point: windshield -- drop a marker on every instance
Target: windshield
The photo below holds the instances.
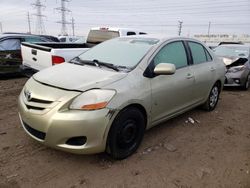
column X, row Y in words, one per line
column 233, row 51
column 120, row 51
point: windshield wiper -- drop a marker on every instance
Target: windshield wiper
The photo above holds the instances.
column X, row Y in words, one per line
column 79, row 61
column 94, row 62
column 109, row 65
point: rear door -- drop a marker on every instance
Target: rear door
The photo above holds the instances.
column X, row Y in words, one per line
column 172, row 93
column 10, row 55
column 204, row 70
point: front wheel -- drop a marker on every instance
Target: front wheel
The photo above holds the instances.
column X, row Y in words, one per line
column 213, row 98
column 126, row 133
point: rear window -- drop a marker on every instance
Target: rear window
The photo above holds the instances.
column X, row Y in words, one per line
column 10, row 44
column 130, row 33
column 62, row 39
column 34, row 39
column 98, row 36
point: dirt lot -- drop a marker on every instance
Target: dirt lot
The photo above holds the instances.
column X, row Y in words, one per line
column 212, row 152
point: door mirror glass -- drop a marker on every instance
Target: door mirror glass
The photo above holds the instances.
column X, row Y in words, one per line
column 164, row 69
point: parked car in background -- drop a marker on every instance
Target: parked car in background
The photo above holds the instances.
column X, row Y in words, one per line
column 236, row 58
column 10, row 51
column 43, row 55
column 229, row 42
column 69, row 39
column 50, row 38
column 81, row 40
column 100, row 34
column 104, row 99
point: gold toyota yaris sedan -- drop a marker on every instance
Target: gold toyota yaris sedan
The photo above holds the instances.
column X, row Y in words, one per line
column 104, row 99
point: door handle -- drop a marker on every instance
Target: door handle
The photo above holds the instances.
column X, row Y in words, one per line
column 212, row 69
column 189, row 76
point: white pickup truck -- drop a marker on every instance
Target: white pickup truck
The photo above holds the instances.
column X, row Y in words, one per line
column 42, row 55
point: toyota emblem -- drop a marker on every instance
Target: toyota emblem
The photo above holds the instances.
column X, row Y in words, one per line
column 27, row 95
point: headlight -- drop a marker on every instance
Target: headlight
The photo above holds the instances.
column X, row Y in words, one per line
column 236, row 69
column 227, row 61
column 94, row 99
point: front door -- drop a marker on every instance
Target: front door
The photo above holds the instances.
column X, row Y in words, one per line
column 172, row 93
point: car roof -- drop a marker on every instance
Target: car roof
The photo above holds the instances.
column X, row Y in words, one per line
column 116, row 29
column 162, row 37
column 235, row 45
column 12, row 35
column 15, row 35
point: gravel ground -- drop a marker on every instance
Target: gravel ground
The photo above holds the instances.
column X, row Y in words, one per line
column 213, row 151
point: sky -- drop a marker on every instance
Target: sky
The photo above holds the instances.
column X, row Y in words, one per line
column 152, row 16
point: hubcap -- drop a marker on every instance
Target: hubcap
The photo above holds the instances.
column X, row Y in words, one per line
column 214, row 96
column 127, row 135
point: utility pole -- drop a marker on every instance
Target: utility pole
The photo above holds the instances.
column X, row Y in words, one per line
column 208, row 31
column 63, row 10
column 180, row 27
column 73, row 26
column 40, row 29
column 28, row 16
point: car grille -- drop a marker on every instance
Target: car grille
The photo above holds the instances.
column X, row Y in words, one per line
column 34, row 132
column 40, row 101
column 38, row 105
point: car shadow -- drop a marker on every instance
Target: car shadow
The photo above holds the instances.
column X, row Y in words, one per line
column 11, row 76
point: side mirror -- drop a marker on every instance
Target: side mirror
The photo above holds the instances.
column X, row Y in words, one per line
column 164, row 69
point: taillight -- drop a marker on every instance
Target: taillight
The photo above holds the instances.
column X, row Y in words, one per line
column 57, row 60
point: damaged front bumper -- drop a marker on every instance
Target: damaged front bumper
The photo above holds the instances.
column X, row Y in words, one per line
column 235, row 79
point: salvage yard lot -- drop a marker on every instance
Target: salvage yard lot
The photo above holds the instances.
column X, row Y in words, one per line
column 214, row 151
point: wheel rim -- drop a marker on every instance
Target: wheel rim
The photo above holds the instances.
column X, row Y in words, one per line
column 127, row 135
column 214, row 95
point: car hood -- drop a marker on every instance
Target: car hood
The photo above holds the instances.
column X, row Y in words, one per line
column 230, row 60
column 76, row 77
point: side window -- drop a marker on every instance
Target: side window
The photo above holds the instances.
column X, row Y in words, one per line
column 10, row 44
column 62, row 39
column 172, row 53
column 198, row 52
column 131, row 33
column 142, row 33
column 33, row 39
column 209, row 58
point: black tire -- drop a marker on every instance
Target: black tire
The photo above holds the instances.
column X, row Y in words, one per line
column 126, row 133
column 213, row 98
column 247, row 83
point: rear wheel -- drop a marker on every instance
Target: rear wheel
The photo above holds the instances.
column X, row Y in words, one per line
column 213, row 98
column 126, row 133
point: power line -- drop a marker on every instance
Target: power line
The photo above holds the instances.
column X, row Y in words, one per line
column 40, row 29
column 116, row 4
column 153, row 6
column 63, row 10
